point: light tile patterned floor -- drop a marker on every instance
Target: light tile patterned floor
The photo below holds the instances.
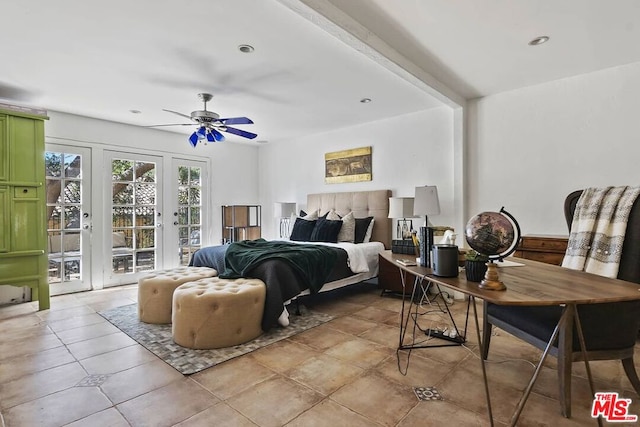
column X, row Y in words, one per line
column 68, row 366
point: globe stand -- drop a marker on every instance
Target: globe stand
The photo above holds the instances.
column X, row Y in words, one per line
column 490, row 281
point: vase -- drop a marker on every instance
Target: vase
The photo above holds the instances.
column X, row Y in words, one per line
column 475, row 270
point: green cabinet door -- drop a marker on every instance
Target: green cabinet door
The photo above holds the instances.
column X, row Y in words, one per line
column 27, row 228
column 26, row 148
column 4, row 219
column 4, row 149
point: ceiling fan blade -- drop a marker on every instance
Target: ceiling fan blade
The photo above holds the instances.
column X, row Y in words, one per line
column 172, row 124
column 239, row 132
column 237, row 121
column 175, row 112
column 217, row 135
column 193, row 139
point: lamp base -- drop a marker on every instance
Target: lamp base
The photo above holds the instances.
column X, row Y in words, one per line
column 285, row 227
column 490, row 281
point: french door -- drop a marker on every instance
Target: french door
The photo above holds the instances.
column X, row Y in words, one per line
column 68, row 183
column 189, row 204
column 134, row 226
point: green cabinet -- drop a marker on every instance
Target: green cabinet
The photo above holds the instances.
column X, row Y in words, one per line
column 23, row 229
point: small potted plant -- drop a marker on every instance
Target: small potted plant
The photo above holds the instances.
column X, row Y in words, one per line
column 475, row 265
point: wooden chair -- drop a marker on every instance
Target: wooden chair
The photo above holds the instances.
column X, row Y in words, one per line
column 610, row 330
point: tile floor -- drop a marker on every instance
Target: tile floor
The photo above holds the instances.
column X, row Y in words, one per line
column 68, row 366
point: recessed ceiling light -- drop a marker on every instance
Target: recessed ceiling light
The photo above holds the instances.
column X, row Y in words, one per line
column 246, row 48
column 365, row 100
column 539, row 40
column 135, row 111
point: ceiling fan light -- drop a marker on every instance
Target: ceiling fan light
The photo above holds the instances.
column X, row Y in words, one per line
column 201, row 132
column 193, row 139
column 210, row 136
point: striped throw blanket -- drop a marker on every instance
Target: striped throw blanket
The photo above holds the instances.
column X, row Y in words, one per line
column 598, row 229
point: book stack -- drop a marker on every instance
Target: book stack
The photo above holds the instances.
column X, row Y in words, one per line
column 404, row 246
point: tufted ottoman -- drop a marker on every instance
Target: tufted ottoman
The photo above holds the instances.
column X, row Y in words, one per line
column 216, row 313
column 155, row 291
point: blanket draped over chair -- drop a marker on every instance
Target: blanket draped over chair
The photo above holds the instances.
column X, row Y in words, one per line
column 598, row 230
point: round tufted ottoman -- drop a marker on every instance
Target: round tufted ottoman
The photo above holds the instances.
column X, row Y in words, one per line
column 216, row 313
column 155, row 291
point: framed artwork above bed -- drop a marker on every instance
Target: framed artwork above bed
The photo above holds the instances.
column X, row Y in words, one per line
column 348, row 166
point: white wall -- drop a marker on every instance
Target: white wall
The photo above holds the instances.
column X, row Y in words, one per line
column 407, row 151
column 528, row 148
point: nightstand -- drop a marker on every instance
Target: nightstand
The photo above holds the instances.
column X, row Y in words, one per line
column 389, row 278
column 543, row 247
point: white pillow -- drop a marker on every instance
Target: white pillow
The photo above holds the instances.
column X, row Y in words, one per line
column 367, row 236
column 348, row 229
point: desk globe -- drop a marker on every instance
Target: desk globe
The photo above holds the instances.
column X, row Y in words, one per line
column 495, row 234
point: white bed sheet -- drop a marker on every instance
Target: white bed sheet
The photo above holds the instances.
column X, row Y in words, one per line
column 362, row 257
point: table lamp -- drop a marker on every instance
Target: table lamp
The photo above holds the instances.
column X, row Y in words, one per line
column 283, row 211
column 401, row 208
column 426, row 203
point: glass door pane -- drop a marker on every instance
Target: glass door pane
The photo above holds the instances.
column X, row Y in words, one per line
column 68, row 218
column 135, row 227
column 187, row 221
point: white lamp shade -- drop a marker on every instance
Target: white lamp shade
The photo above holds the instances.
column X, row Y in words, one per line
column 284, row 209
column 401, row 207
column 426, row 201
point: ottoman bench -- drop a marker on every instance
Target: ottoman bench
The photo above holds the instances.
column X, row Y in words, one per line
column 217, row 313
column 155, row 291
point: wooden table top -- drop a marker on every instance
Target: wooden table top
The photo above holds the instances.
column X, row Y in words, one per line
column 534, row 283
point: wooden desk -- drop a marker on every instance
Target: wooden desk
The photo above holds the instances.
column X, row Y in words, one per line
column 538, row 283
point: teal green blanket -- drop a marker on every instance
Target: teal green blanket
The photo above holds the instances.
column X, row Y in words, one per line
column 313, row 263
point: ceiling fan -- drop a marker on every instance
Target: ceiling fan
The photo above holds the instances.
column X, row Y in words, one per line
column 210, row 123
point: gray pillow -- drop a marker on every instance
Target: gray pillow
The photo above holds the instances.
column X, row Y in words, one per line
column 348, row 230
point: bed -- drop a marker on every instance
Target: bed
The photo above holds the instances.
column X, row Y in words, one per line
column 284, row 280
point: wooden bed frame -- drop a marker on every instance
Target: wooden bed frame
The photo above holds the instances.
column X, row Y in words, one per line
column 363, row 204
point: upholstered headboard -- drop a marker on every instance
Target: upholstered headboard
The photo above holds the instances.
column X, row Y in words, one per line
column 362, row 204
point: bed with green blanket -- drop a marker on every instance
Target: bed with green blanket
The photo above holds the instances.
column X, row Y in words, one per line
column 287, row 269
column 292, row 269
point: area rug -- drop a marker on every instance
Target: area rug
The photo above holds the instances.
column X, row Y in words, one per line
column 157, row 338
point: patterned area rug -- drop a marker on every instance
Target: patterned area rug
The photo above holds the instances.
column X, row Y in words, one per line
column 157, row 338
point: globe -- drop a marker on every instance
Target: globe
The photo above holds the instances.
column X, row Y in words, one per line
column 495, row 234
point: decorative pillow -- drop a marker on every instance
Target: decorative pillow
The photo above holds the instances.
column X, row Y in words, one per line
column 302, row 230
column 311, row 217
column 326, row 230
column 367, row 236
column 348, row 230
column 363, row 226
